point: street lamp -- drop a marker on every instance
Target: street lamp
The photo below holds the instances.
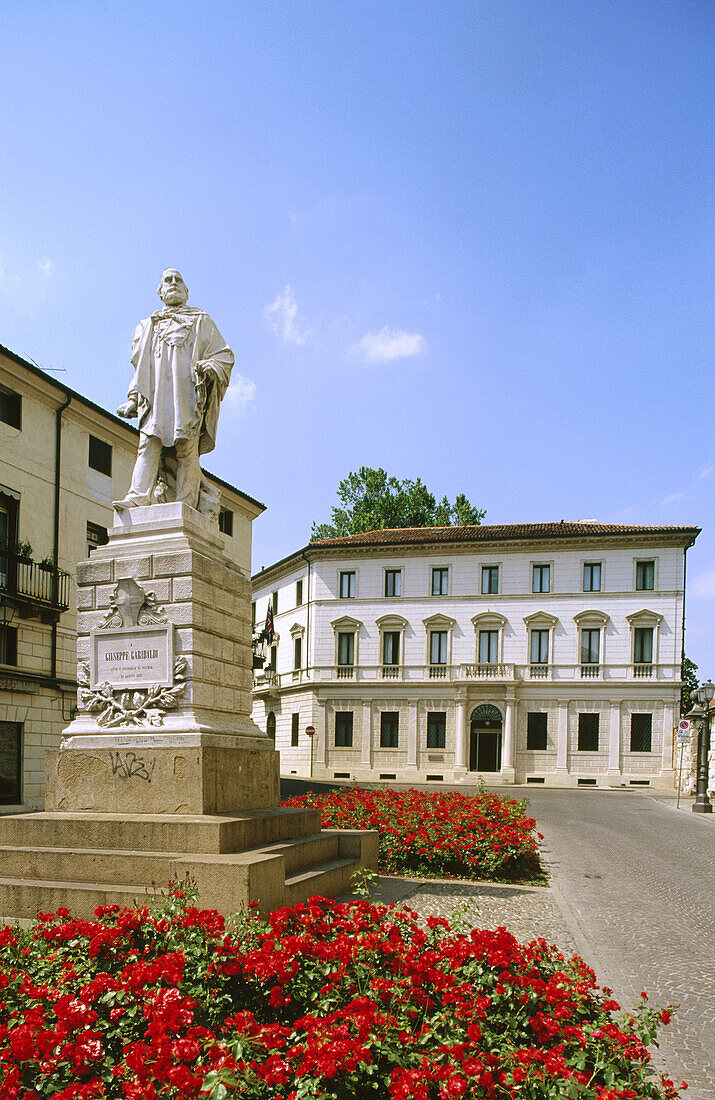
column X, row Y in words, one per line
column 700, row 713
column 7, row 611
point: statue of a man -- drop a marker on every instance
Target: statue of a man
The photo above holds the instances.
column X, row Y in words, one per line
column 182, row 368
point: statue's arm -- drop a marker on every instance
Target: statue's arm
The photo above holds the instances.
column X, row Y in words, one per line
column 215, row 357
column 130, row 408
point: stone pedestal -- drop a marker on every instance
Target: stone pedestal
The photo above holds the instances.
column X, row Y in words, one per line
column 163, row 772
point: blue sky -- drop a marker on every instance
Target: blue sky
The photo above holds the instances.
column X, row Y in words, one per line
column 470, row 242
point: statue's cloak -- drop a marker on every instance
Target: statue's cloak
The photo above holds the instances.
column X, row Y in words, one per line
column 174, row 402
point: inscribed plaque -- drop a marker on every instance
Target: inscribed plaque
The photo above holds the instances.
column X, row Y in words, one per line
column 133, row 657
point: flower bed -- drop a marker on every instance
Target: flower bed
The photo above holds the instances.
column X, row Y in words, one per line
column 482, row 836
column 321, row 1000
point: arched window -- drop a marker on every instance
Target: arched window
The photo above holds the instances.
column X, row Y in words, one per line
column 271, row 726
column 486, row 713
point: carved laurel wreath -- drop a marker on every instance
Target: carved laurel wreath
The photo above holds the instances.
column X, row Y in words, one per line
column 143, row 707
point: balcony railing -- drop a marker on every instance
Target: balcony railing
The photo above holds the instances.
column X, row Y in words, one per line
column 37, row 588
column 486, row 671
column 503, row 672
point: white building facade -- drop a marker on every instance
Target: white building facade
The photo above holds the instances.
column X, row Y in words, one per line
column 528, row 653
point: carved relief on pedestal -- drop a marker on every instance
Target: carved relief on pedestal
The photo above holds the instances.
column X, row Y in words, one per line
column 132, row 677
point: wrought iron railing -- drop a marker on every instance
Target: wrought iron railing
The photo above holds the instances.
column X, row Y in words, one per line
column 34, row 582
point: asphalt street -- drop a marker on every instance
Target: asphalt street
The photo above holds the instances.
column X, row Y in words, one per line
column 634, row 880
column 637, row 877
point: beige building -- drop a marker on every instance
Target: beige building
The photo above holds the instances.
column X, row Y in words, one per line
column 529, row 653
column 63, row 460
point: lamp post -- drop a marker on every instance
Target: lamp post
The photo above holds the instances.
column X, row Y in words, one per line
column 700, row 712
column 7, row 611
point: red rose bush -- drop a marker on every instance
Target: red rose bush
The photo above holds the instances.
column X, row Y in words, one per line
column 321, row 1000
column 438, row 834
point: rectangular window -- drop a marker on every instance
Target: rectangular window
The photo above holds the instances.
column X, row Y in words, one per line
column 590, row 646
column 641, row 732
column 536, row 722
column 645, row 576
column 488, row 647
column 588, row 732
column 96, row 536
column 436, row 730
column 440, row 581
column 643, row 645
column 592, row 576
column 225, row 521
column 11, row 408
column 539, row 651
column 273, row 663
column 274, row 602
column 347, row 585
column 391, row 647
column 100, row 456
column 389, row 729
column 490, row 580
column 298, row 652
column 298, row 593
column 393, row 582
column 344, row 729
column 438, row 647
column 294, row 729
column 541, row 578
column 346, row 648
column 10, row 763
column 8, row 645
column 253, row 613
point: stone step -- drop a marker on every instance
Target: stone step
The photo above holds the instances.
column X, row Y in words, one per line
column 24, row 898
column 303, row 852
column 328, row 880
column 215, row 833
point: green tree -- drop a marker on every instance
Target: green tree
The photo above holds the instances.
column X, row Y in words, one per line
column 372, row 500
column 690, row 683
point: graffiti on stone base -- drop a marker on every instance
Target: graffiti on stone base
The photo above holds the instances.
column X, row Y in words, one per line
column 130, row 766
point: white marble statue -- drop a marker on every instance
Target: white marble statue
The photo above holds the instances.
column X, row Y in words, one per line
column 182, row 368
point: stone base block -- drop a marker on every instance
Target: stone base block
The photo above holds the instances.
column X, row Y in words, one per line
column 191, row 774
column 80, row 861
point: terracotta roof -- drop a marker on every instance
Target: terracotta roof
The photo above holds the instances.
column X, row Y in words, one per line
column 485, row 532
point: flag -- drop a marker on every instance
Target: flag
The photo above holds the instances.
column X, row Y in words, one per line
column 268, row 631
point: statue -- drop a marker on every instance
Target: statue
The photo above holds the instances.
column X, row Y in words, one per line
column 182, row 368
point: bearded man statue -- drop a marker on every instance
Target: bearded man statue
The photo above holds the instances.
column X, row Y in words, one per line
column 182, row 368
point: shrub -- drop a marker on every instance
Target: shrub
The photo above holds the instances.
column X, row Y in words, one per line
column 322, row 1000
column 437, row 833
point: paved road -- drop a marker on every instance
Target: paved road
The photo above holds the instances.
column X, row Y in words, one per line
column 635, row 880
column 638, row 877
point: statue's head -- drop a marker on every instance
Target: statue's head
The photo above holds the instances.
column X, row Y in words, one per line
column 172, row 289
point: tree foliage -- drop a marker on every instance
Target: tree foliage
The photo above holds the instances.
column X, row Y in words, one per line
column 690, row 683
column 372, row 500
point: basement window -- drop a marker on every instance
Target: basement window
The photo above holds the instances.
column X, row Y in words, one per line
column 587, row 782
column 435, row 778
column 535, row 779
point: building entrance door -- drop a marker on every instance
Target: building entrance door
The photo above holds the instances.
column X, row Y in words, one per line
column 485, row 739
column 10, row 762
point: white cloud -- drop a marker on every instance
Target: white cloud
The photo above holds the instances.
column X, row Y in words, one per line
column 388, row 344
column 241, row 392
column 673, row 498
column 707, row 471
column 45, row 266
column 283, row 317
column 702, row 585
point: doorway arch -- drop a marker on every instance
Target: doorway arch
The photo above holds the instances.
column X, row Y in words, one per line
column 485, row 739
